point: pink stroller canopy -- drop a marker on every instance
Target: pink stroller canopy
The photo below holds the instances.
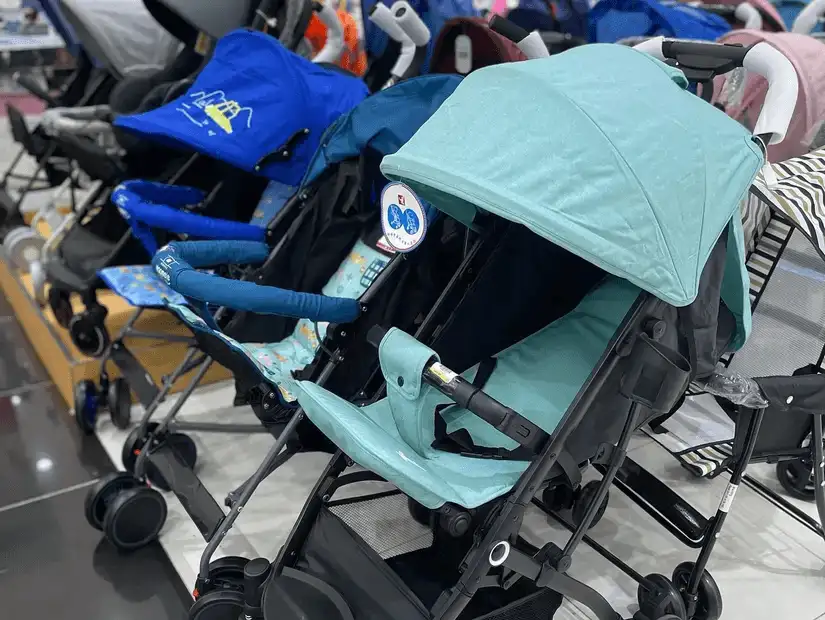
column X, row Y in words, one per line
column 808, row 58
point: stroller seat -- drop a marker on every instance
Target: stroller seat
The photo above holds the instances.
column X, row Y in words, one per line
column 276, row 361
column 539, row 377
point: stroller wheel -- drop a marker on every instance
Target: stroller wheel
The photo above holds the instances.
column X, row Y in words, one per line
column 187, row 451
column 101, row 494
column 658, row 597
column 134, row 444
column 583, row 500
column 61, row 306
column 88, row 333
column 796, row 477
column 218, row 605
column 709, row 605
column 22, row 247
column 421, row 514
column 38, row 276
column 224, row 574
column 557, row 497
column 134, row 518
column 85, row 406
column 119, row 400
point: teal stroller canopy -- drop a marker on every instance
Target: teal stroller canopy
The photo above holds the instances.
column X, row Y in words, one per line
column 609, row 156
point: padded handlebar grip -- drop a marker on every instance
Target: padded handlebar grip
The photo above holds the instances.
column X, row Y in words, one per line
column 809, row 17
column 411, row 23
column 508, row 29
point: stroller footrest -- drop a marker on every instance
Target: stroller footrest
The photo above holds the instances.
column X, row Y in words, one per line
column 661, row 502
column 139, row 380
column 187, row 487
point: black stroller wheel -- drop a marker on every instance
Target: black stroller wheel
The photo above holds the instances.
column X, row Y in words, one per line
column 85, row 406
column 187, row 451
column 225, row 574
column 582, row 502
column 218, row 605
column 119, row 400
column 101, row 494
column 134, row 444
column 134, row 518
column 709, row 605
column 796, row 477
column 658, row 597
column 420, row 513
column 557, row 497
column 89, row 334
column 61, row 306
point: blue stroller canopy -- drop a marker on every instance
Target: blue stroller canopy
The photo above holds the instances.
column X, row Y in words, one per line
column 255, row 105
column 789, row 10
column 435, row 14
column 613, row 20
column 644, row 201
column 383, row 122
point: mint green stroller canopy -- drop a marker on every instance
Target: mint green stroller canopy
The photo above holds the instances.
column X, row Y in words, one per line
column 600, row 150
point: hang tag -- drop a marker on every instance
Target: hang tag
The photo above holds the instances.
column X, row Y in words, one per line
column 402, row 217
column 203, row 43
column 463, row 54
column 769, row 176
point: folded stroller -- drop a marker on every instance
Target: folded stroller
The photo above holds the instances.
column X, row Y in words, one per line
column 607, row 287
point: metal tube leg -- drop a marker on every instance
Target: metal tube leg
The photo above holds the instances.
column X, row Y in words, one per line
column 166, row 387
column 141, row 459
column 819, row 470
column 716, row 523
column 232, row 497
column 121, row 334
column 249, row 488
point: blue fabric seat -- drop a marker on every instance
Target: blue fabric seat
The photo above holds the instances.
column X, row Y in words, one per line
column 538, row 377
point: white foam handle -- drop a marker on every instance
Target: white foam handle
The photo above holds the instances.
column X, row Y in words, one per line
column 334, row 47
column 809, row 17
column 783, row 85
column 652, row 47
column 411, row 23
column 382, row 16
column 533, row 46
column 749, row 16
column 783, row 89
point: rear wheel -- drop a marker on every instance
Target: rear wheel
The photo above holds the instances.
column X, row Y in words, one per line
column 658, row 597
column 709, row 605
column 218, row 605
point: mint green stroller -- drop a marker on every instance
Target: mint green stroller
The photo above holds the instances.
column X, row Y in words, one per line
column 605, row 272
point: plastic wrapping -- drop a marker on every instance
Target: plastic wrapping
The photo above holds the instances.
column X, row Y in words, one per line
column 121, row 34
column 734, row 89
column 736, row 388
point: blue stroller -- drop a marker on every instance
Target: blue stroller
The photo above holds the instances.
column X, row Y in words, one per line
column 608, row 286
column 263, row 126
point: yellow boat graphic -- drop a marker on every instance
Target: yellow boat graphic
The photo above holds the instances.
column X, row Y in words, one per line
column 223, row 113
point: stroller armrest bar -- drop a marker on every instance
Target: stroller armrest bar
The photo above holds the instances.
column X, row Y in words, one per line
column 175, row 264
column 474, row 399
column 182, row 222
column 799, row 394
column 531, row 43
column 156, row 193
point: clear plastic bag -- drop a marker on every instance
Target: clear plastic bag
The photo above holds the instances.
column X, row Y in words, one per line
column 734, row 88
column 735, row 388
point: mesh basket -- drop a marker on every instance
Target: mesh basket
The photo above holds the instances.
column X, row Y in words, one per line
column 384, row 522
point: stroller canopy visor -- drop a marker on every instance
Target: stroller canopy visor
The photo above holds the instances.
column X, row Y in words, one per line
column 255, row 105
column 121, row 34
column 645, row 201
column 384, row 121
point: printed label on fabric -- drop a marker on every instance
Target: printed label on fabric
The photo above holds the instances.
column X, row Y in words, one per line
column 402, row 217
column 202, row 43
column 214, row 110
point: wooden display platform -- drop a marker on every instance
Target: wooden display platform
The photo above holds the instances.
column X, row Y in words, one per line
column 66, row 365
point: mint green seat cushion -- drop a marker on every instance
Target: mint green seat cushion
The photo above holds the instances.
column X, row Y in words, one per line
column 538, row 377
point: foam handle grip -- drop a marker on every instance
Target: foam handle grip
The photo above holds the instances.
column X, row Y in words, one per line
column 332, row 49
column 381, row 16
column 809, row 17
column 749, row 16
column 783, row 90
column 410, row 23
column 507, row 29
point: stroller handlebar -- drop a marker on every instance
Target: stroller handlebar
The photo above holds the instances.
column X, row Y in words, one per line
column 809, row 17
column 334, row 46
column 176, row 265
column 382, row 16
column 530, row 43
column 762, row 58
column 414, row 53
column 748, row 15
